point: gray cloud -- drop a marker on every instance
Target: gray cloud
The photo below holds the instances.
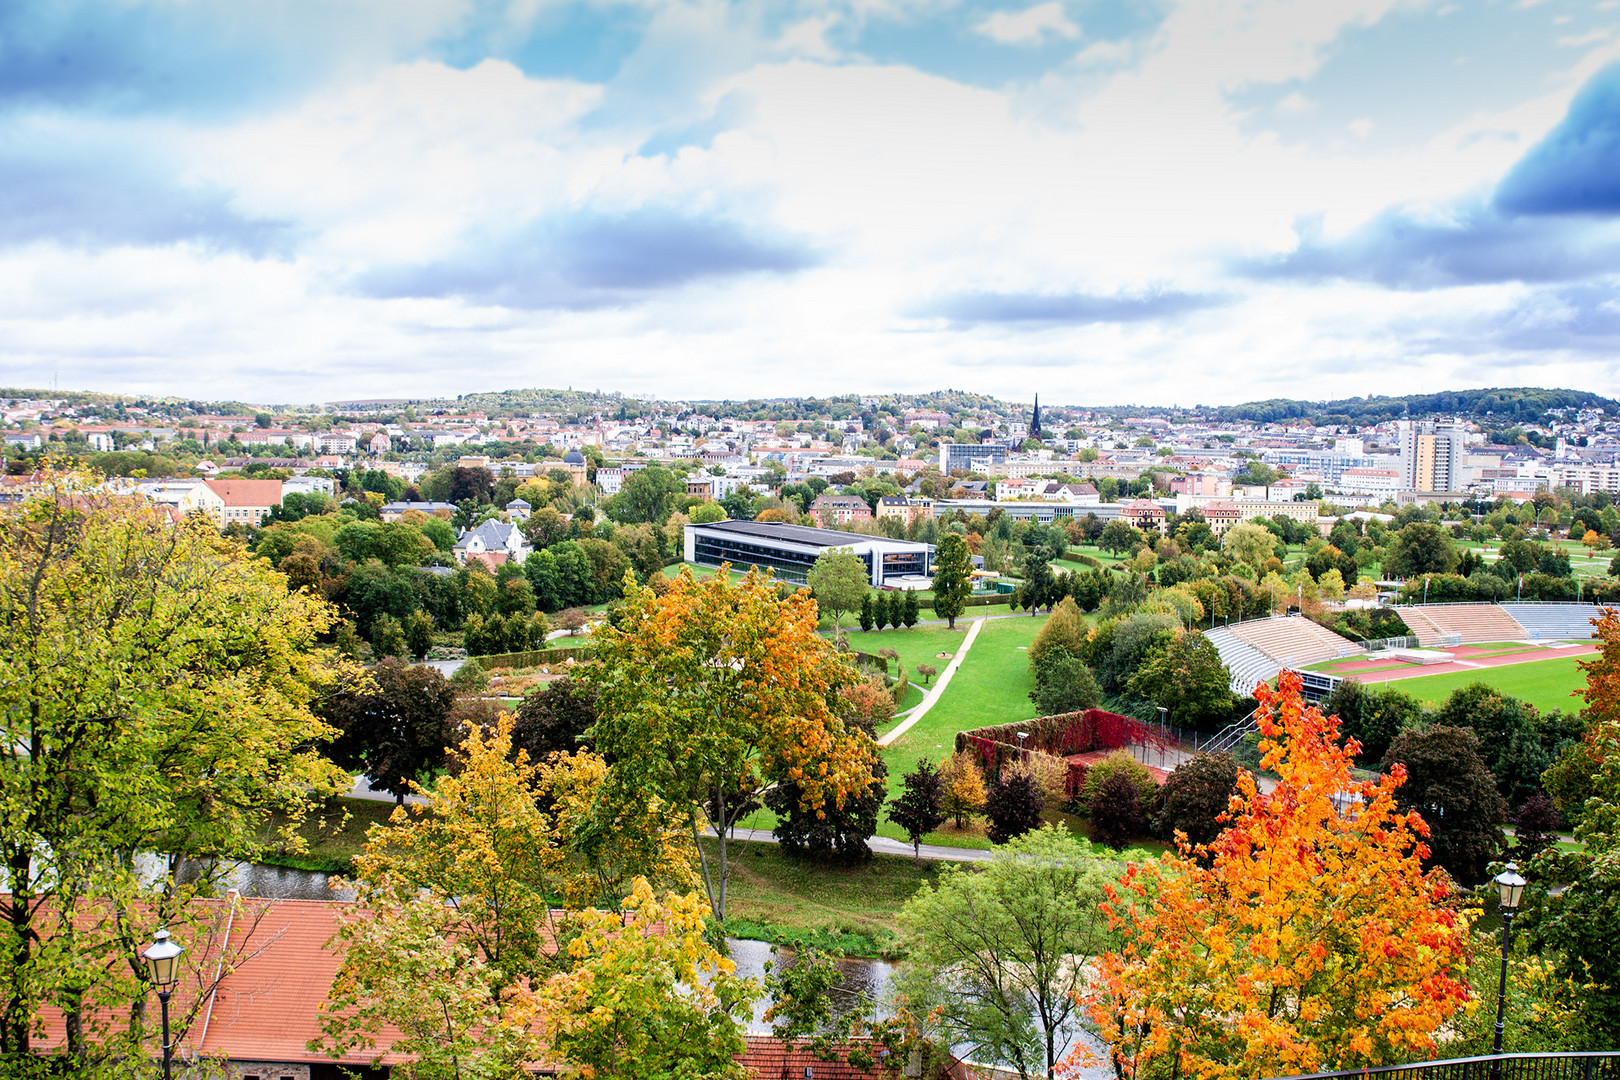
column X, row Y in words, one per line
column 592, row 260
column 972, row 308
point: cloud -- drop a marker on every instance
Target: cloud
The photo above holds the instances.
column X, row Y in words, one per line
column 1030, row 26
column 1469, row 245
column 1064, row 309
column 84, row 203
column 1576, row 168
column 593, row 260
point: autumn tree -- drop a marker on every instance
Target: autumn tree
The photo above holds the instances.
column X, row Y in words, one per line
column 963, row 795
column 835, row 830
column 555, row 719
column 155, row 689
column 953, row 577
column 393, row 724
column 714, row 692
column 447, row 937
column 1001, row 956
column 1310, row 938
column 919, row 808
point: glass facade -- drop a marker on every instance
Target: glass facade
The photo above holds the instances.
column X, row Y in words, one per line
column 790, row 564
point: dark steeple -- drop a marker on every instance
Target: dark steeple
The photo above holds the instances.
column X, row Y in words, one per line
column 1035, row 419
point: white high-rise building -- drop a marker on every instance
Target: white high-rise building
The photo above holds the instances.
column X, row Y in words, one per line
column 1432, row 455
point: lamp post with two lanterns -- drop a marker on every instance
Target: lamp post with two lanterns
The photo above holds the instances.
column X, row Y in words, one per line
column 163, row 965
column 1510, row 890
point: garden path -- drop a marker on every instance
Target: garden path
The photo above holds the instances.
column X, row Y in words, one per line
column 933, row 694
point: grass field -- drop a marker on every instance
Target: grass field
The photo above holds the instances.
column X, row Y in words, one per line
column 991, row 687
column 1546, row 684
column 335, row 836
column 919, row 645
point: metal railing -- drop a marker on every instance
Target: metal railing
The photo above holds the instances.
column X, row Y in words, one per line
column 1602, row 1065
column 1230, row 735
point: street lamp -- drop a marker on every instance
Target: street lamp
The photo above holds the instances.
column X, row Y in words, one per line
column 163, row 965
column 1022, row 735
column 1510, row 890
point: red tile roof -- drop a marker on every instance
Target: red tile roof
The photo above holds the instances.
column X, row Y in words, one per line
column 247, row 492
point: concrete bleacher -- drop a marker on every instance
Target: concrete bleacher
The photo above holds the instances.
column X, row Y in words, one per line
column 1461, row 624
column 1293, row 640
column 1248, row 666
column 1554, row 622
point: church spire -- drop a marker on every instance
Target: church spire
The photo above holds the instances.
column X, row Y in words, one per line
column 1035, row 419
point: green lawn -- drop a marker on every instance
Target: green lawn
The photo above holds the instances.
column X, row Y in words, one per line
column 336, row 834
column 1546, row 684
column 991, row 687
column 919, row 645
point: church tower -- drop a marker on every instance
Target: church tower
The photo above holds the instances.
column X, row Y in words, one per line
column 1035, row 419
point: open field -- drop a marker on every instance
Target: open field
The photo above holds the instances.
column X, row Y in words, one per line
column 1546, row 684
column 919, row 645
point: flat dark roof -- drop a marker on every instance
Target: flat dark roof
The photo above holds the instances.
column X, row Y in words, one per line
column 797, row 534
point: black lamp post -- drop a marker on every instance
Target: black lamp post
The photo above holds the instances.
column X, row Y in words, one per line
column 1510, row 889
column 163, row 964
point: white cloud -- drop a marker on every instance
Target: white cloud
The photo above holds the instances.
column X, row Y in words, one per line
column 1030, row 26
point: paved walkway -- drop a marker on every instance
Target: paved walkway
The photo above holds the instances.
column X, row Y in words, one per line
column 921, row 708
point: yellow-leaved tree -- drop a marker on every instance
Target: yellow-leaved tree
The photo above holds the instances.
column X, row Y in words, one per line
column 712, row 692
column 1306, row 938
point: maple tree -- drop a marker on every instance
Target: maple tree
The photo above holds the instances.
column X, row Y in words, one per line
column 918, row 809
column 714, row 691
column 1310, row 939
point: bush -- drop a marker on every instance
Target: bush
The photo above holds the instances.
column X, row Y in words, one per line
column 1049, row 774
column 554, row 720
column 866, row 704
column 1535, row 827
column 1194, row 795
column 1013, row 806
column 1121, row 763
column 1117, row 815
column 388, row 638
column 470, row 677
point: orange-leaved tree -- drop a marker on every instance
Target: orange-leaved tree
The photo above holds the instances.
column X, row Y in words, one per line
column 712, row 692
column 1311, row 940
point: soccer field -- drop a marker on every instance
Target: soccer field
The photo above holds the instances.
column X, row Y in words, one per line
column 1546, row 684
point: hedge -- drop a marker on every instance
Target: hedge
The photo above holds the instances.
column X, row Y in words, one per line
column 1057, row 736
column 533, row 657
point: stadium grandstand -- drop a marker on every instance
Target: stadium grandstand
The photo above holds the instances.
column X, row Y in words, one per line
column 1249, row 667
column 1439, row 625
column 1555, row 622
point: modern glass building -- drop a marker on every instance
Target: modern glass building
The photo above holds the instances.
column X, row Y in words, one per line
column 790, row 550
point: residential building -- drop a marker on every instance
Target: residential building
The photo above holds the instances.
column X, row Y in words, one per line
column 909, row 510
column 395, row 510
column 1144, row 514
column 1431, row 455
column 610, row 481
column 1381, row 482
column 500, row 539
column 380, row 443
column 337, row 442
column 833, row 509
column 235, row 501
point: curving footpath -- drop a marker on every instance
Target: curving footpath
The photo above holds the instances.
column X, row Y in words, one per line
column 933, row 695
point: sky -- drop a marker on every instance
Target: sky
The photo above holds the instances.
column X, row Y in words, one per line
column 1105, row 202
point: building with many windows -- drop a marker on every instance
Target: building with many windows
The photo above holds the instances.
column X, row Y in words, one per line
column 790, row 550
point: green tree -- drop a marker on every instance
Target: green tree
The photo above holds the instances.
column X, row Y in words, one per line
column 838, row 580
column 555, row 720
column 919, row 808
column 388, row 637
column 155, row 683
column 1448, row 784
column 419, row 633
column 647, row 495
column 910, row 609
column 1189, row 679
column 1423, row 547
column 953, row 572
column 715, row 691
column 868, row 620
column 1119, row 536
column 834, row 830
column 1000, row 956
column 1063, row 684
column 1248, row 543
